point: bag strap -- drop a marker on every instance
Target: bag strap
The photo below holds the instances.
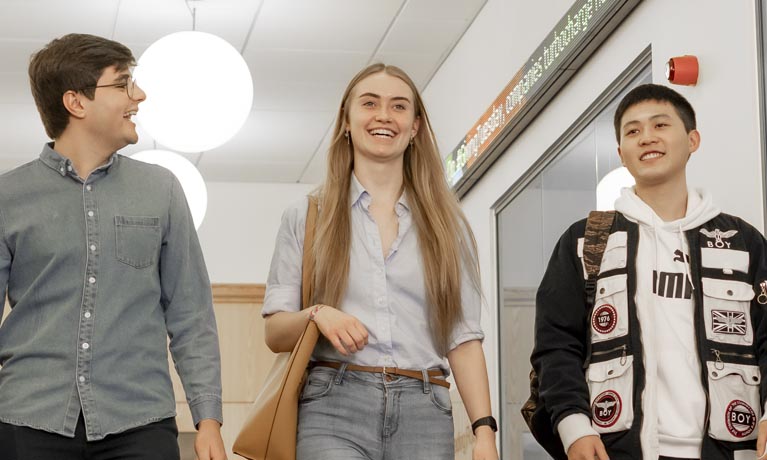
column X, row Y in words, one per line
column 307, row 268
column 598, row 227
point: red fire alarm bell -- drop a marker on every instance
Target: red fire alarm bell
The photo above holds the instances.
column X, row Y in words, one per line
column 682, row 70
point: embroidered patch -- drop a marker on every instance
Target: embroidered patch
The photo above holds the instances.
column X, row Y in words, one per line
column 719, row 237
column 606, row 408
column 740, row 419
column 604, row 319
column 728, row 322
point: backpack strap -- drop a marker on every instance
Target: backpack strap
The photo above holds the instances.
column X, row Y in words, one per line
column 598, row 228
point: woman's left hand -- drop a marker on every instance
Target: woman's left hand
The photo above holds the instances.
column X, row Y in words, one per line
column 484, row 447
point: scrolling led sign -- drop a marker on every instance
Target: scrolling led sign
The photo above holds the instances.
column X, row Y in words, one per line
column 543, row 64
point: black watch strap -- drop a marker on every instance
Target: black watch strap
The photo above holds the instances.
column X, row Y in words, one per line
column 489, row 421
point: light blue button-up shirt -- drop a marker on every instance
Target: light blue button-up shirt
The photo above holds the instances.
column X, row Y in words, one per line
column 387, row 295
column 99, row 273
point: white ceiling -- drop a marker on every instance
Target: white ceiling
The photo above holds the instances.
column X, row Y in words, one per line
column 301, row 54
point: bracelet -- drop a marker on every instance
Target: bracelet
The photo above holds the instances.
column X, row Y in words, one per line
column 489, row 421
column 313, row 313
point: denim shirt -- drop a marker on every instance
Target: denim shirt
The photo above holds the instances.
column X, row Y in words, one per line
column 99, row 273
column 387, row 294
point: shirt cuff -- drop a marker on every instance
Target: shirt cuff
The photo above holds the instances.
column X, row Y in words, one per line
column 466, row 337
column 574, row 427
column 207, row 407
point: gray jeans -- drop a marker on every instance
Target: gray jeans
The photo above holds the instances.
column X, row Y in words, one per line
column 361, row 415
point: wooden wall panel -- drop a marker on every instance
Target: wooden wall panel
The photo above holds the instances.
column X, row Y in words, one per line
column 245, row 358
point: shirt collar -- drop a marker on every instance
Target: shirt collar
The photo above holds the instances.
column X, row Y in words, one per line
column 357, row 191
column 358, row 194
column 63, row 165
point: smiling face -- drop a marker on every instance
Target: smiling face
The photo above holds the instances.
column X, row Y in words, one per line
column 654, row 144
column 381, row 118
column 108, row 114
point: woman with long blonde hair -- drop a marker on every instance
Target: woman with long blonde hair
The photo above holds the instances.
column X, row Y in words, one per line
column 396, row 289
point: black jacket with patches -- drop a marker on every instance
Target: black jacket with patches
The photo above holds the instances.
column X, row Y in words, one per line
column 605, row 379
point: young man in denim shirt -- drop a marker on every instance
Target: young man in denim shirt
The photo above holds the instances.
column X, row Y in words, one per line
column 101, row 264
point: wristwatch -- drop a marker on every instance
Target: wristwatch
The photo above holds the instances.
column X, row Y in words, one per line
column 489, row 421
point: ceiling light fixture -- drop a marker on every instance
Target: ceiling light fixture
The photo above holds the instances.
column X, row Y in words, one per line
column 609, row 188
column 199, row 90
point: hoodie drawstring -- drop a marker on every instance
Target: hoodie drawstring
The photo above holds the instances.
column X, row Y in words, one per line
column 685, row 257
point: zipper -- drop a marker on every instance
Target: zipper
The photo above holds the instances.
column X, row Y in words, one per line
column 623, row 347
column 762, row 298
column 719, row 364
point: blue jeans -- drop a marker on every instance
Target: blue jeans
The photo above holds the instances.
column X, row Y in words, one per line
column 360, row 415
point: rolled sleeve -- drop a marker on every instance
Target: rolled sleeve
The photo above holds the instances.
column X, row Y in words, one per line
column 471, row 303
column 283, row 286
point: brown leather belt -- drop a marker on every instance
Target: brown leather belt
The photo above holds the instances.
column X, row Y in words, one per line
column 436, row 373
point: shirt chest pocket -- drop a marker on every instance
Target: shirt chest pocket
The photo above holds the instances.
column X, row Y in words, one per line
column 727, row 311
column 614, row 256
column 137, row 240
column 609, row 318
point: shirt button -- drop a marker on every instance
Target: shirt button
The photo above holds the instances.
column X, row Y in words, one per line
column 86, row 346
column 381, row 300
column 93, row 247
column 87, row 314
column 88, row 188
column 91, row 280
column 81, row 379
column 90, row 213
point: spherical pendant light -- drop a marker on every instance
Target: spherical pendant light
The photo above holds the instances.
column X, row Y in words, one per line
column 199, row 91
column 609, row 188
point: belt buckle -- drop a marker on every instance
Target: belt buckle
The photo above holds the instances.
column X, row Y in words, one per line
column 386, row 376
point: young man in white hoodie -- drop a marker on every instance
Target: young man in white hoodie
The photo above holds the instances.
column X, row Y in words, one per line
column 668, row 361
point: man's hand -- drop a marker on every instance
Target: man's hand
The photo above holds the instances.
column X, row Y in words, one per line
column 761, row 440
column 344, row 331
column 484, row 447
column 208, row 444
column 587, row 448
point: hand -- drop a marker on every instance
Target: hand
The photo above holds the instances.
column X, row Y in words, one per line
column 344, row 331
column 484, row 447
column 761, row 440
column 587, row 448
column 208, row 444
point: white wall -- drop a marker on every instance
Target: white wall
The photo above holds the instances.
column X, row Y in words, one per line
column 238, row 233
column 721, row 34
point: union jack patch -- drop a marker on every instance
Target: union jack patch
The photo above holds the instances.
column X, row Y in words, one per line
column 728, row 322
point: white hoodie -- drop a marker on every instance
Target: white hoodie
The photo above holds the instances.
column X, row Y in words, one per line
column 674, row 402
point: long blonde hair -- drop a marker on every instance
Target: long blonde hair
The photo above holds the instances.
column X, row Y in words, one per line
column 445, row 239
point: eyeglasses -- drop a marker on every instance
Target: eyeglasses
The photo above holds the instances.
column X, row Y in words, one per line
column 129, row 85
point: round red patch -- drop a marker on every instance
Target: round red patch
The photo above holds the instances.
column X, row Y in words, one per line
column 740, row 419
column 606, row 408
column 604, row 319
